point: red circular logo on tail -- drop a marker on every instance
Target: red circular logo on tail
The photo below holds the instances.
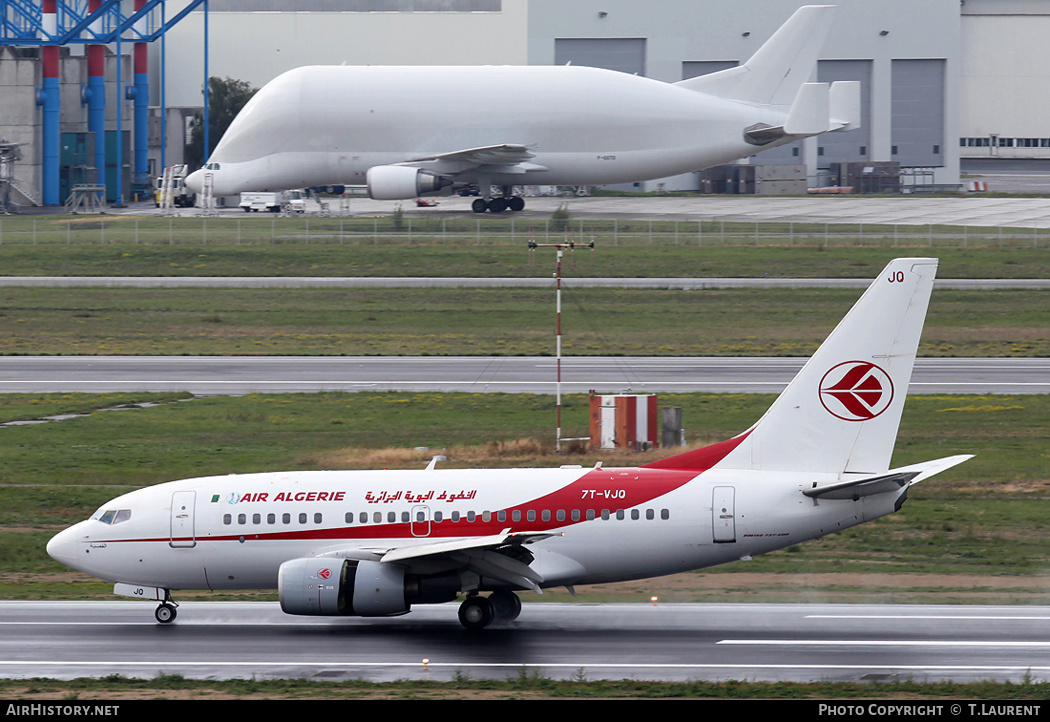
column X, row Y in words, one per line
column 856, row 391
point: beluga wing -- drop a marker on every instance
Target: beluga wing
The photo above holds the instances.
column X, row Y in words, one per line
column 505, row 157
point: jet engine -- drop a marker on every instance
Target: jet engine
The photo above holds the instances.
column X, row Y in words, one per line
column 395, row 182
column 322, row 586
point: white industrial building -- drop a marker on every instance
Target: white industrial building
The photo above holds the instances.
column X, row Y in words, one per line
column 941, row 80
column 1004, row 67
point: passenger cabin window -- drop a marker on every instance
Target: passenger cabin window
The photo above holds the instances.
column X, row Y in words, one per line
column 116, row 516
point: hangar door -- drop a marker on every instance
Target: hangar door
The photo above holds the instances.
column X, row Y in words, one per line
column 917, row 134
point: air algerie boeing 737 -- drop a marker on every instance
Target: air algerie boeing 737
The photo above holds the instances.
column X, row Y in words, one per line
column 405, row 132
column 374, row 543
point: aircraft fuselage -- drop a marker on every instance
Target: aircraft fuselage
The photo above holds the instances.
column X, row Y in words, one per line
column 234, row 532
column 328, row 125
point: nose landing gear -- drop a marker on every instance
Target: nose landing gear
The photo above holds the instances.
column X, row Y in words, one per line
column 166, row 612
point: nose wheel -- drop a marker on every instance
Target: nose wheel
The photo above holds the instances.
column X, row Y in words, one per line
column 166, row 612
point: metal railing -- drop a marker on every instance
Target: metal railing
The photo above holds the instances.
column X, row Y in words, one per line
column 402, row 230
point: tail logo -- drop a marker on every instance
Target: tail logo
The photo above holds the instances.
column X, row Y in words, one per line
column 856, row 391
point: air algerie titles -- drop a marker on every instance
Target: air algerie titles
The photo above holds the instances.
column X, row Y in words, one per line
column 262, row 496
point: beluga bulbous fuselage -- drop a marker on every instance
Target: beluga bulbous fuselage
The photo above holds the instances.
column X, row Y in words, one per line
column 410, row 131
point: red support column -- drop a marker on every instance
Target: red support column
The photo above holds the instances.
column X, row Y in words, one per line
column 50, row 101
column 96, row 97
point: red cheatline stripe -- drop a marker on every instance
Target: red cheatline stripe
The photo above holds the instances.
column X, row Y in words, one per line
column 596, row 490
column 700, row 459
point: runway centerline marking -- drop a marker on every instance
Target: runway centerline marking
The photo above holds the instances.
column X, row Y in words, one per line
column 956, row 617
column 877, row 643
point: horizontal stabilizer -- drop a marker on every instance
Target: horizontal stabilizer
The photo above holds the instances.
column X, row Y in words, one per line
column 844, row 99
column 810, row 114
column 883, row 483
column 818, row 108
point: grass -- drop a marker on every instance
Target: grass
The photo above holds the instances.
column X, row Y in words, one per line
column 479, row 321
column 506, row 321
column 106, row 246
column 977, row 533
column 523, row 686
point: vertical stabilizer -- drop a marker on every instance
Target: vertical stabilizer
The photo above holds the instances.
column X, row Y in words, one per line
column 841, row 412
column 774, row 74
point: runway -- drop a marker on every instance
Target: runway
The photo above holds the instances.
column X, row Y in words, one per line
column 236, row 375
column 673, row 642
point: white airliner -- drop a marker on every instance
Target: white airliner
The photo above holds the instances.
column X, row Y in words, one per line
column 374, row 543
column 405, row 132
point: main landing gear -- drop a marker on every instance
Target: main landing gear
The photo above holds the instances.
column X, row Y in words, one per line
column 498, row 204
column 506, row 202
column 478, row 612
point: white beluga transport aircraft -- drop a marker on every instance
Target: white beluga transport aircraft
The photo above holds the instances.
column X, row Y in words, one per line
column 374, row 543
column 411, row 131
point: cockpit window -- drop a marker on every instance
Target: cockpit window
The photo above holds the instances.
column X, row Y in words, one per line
column 112, row 516
column 212, row 166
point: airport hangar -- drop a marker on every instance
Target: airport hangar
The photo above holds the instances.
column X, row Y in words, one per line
column 941, row 80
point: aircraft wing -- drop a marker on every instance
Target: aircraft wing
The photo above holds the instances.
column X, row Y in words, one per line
column 504, row 158
column 498, row 556
column 881, row 483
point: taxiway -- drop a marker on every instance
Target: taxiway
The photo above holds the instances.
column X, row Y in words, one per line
column 235, row 375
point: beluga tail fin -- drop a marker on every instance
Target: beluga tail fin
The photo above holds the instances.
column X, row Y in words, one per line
column 777, row 70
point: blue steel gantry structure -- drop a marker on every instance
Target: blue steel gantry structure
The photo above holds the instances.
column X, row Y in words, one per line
column 96, row 24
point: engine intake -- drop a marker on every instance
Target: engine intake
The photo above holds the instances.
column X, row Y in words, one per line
column 397, row 182
column 344, row 587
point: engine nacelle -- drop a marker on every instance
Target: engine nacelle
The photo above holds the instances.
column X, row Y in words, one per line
column 397, row 182
column 345, row 587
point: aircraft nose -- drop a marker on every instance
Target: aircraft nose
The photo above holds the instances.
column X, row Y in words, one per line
column 63, row 547
column 195, row 181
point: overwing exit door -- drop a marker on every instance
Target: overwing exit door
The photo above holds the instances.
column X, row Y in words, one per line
column 420, row 521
